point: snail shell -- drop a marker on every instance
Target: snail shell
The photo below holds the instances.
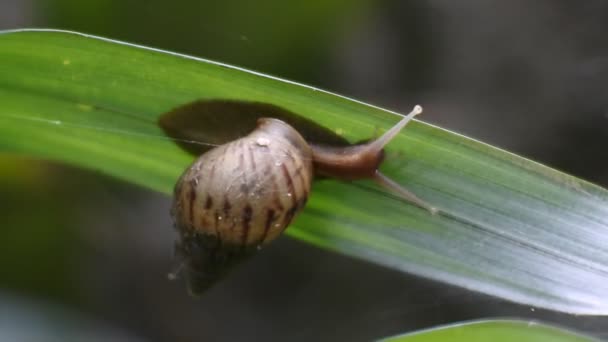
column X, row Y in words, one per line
column 240, row 196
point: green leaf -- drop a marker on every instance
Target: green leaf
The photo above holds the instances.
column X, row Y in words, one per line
column 511, row 227
column 495, row 331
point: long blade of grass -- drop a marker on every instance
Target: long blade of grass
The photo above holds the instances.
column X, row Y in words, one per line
column 493, row 330
column 511, row 227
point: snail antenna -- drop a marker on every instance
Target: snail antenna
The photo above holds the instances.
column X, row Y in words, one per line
column 402, row 192
column 385, row 138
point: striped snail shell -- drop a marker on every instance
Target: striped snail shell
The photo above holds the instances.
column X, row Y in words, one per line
column 232, row 198
column 240, row 196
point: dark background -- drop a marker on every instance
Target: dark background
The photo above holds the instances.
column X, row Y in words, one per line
column 85, row 255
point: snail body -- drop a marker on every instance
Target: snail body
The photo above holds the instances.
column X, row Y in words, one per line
column 240, row 196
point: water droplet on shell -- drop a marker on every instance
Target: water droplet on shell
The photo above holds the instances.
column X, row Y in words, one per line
column 262, row 141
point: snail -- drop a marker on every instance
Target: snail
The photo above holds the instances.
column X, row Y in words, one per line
column 241, row 195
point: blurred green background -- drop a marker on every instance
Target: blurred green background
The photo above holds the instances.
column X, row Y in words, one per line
column 526, row 76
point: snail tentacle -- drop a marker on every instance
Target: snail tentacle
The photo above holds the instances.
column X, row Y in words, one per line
column 385, row 138
column 402, row 192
